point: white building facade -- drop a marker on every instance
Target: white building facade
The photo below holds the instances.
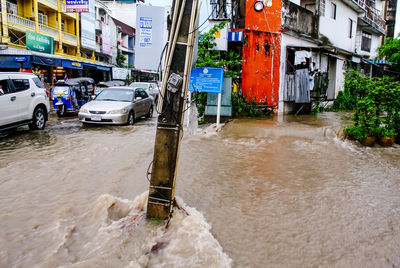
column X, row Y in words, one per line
column 323, row 38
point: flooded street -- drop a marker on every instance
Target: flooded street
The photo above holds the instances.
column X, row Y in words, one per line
column 276, row 192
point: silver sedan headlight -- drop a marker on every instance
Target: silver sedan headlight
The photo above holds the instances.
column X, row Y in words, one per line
column 82, row 110
column 122, row 111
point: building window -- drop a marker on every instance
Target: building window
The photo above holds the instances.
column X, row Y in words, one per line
column 333, row 11
column 351, row 28
column 366, row 41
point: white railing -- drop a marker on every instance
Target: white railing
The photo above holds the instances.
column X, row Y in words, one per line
column 69, row 37
column 21, row 21
column 47, row 29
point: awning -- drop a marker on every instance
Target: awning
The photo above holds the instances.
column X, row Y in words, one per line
column 103, row 68
column 90, row 64
column 72, row 64
column 235, row 36
column 14, row 62
column 377, row 62
column 46, row 61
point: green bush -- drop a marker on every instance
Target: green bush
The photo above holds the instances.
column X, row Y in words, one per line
column 377, row 106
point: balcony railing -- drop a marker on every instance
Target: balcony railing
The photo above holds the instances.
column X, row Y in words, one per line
column 12, row 19
column 360, row 3
column 374, row 16
column 69, row 37
column 47, row 29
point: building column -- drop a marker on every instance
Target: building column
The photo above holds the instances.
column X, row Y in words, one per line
column 78, row 40
column 36, row 14
column 60, row 36
column 4, row 21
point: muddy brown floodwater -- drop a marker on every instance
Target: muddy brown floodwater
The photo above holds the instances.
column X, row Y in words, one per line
column 277, row 192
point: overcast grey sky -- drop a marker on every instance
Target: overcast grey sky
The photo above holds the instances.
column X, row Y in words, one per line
column 204, row 11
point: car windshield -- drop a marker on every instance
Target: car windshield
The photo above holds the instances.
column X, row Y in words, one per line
column 60, row 90
column 116, row 95
column 142, row 85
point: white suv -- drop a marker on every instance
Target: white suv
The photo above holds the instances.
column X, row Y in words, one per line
column 23, row 101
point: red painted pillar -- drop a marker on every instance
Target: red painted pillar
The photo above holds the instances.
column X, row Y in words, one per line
column 261, row 53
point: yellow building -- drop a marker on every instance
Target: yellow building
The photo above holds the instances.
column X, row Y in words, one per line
column 45, row 17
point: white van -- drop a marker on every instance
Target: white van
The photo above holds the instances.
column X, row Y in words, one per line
column 23, row 101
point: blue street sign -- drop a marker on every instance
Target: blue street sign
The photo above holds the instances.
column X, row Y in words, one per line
column 20, row 59
column 206, row 79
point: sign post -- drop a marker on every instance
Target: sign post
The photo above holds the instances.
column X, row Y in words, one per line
column 208, row 79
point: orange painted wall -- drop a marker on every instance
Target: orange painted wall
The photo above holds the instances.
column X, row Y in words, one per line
column 261, row 53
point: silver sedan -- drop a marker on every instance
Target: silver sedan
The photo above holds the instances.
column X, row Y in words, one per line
column 117, row 105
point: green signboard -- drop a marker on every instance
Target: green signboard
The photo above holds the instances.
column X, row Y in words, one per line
column 39, row 42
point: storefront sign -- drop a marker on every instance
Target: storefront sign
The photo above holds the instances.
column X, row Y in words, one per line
column 77, row 6
column 20, row 59
column 88, row 28
column 72, row 64
column 39, row 42
column 206, row 79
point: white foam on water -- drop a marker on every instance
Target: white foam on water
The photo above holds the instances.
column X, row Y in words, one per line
column 115, row 233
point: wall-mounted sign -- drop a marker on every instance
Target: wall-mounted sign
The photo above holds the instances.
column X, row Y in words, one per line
column 39, row 42
column 206, row 79
column 105, row 36
column 146, row 32
column 88, row 29
column 120, row 73
column 20, row 59
column 77, row 6
column 150, row 22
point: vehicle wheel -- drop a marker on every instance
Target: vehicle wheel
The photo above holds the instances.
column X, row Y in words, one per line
column 131, row 118
column 39, row 119
column 61, row 111
column 150, row 114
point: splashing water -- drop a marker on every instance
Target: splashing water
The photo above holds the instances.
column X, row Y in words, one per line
column 117, row 234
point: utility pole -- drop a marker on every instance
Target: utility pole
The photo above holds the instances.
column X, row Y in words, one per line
column 176, row 75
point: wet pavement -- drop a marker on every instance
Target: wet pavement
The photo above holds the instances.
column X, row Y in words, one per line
column 277, row 192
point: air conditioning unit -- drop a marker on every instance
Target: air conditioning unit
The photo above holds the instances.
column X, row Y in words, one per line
column 42, row 19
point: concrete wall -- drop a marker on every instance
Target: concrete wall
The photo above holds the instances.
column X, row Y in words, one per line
column 299, row 19
column 337, row 31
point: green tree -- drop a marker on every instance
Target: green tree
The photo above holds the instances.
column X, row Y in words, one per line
column 390, row 51
column 121, row 58
column 231, row 61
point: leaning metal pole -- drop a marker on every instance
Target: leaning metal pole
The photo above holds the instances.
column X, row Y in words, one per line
column 171, row 108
